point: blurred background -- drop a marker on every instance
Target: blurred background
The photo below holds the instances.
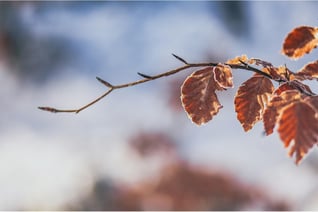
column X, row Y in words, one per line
column 137, row 149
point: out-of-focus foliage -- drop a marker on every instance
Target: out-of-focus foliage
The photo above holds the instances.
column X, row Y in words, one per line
column 179, row 186
column 300, row 41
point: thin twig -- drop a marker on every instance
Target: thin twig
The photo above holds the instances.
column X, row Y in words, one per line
column 144, row 75
column 180, row 58
column 148, row 78
column 107, row 84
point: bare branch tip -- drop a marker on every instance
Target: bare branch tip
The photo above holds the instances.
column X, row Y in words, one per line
column 181, row 59
column 107, row 84
column 49, row 109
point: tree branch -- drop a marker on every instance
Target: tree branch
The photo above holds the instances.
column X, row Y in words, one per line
column 148, row 78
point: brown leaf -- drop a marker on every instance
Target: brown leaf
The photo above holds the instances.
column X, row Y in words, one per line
column 298, row 128
column 275, row 106
column 308, row 72
column 285, row 87
column 305, row 89
column 251, row 99
column 281, row 73
column 294, row 85
column 275, row 73
column 300, row 41
column 198, row 96
column 223, row 76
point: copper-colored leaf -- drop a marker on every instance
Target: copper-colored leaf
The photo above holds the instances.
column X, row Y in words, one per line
column 198, row 96
column 298, row 128
column 308, row 72
column 223, row 75
column 285, row 87
column 300, row 41
column 294, row 85
column 275, row 106
column 302, row 87
column 251, row 99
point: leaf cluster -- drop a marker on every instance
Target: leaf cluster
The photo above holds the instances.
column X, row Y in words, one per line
column 291, row 106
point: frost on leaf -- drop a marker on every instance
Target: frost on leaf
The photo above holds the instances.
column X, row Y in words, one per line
column 298, row 128
column 308, row 72
column 223, row 75
column 300, row 41
column 251, row 99
column 275, row 106
column 198, row 96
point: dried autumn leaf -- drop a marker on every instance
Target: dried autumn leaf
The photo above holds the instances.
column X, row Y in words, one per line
column 308, row 72
column 251, row 99
column 259, row 62
column 302, row 87
column 237, row 60
column 281, row 73
column 198, row 96
column 300, row 41
column 286, row 86
column 294, row 85
column 298, row 128
column 223, row 75
column 275, row 106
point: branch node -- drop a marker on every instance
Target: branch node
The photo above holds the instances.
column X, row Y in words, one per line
column 181, row 59
column 107, row 84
